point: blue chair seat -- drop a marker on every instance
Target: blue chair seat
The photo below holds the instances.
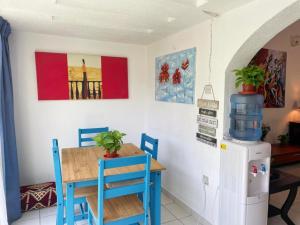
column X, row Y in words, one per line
column 83, row 191
column 117, row 208
column 148, row 145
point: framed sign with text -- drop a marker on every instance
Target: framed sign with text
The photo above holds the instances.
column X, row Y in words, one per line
column 207, row 117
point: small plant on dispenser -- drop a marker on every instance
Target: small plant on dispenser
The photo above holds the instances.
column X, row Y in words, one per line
column 250, row 77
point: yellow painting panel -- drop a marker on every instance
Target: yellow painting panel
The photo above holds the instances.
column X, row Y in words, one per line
column 85, row 77
column 76, row 73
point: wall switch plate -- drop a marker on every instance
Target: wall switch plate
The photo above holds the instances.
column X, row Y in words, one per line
column 205, row 180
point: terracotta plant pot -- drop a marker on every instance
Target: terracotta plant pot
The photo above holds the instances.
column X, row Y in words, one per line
column 111, row 155
column 248, row 89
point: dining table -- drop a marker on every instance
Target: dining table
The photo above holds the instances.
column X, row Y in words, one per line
column 282, row 181
column 80, row 169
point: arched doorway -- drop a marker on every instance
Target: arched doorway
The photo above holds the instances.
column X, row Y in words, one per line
column 250, row 47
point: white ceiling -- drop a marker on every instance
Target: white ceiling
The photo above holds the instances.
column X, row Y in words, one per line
column 130, row 21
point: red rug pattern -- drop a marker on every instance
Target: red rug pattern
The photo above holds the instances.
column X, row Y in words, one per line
column 38, row 196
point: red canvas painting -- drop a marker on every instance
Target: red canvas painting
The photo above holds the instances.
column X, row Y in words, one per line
column 273, row 62
column 62, row 76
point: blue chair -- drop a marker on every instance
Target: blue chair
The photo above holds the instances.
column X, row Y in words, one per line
column 79, row 195
column 154, row 142
column 120, row 205
column 89, row 131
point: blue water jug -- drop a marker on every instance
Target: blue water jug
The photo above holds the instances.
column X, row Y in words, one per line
column 246, row 117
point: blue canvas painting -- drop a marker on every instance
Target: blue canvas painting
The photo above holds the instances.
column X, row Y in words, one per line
column 175, row 77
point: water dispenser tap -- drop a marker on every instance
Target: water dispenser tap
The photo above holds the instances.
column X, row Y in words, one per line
column 254, row 170
column 263, row 168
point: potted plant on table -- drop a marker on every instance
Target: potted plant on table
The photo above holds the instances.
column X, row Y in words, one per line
column 111, row 141
column 250, row 77
column 265, row 130
column 283, row 139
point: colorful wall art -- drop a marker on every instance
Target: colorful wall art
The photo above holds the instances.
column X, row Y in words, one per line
column 175, row 77
column 273, row 62
column 78, row 76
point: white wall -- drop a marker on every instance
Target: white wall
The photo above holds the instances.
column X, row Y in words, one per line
column 278, row 118
column 175, row 124
column 37, row 122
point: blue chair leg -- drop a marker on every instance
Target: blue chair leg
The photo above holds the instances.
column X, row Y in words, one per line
column 60, row 214
column 90, row 217
column 81, row 209
column 70, row 203
column 86, row 207
column 140, row 196
column 155, row 198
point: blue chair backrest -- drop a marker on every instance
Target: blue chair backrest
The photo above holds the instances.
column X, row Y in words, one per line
column 154, row 142
column 57, row 172
column 90, row 132
column 127, row 189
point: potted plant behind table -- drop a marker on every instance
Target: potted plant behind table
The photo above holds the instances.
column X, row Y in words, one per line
column 250, row 77
column 265, row 130
column 111, row 141
column 283, row 139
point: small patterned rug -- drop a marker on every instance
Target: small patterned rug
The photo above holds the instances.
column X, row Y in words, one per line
column 38, row 196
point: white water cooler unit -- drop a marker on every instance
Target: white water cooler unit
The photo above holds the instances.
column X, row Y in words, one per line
column 244, row 183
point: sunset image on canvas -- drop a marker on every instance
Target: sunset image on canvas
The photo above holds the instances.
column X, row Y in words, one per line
column 84, row 75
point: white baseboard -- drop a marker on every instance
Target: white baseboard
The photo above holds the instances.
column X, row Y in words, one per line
column 199, row 218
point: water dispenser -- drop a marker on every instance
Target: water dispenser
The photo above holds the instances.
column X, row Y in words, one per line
column 246, row 117
column 244, row 182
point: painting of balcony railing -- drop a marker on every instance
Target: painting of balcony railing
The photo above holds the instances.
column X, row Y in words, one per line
column 93, row 90
column 62, row 76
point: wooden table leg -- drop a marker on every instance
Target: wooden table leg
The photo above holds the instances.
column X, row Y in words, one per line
column 155, row 199
column 287, row 205
column 70, row 204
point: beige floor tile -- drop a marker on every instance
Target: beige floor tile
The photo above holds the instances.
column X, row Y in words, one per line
column 48, row 220
column 191, row 220
column 166, row 215
column 35, row 221
column 165, row 200
column 176, row 222
column 279, row 197
column 295, row 217
column 50, row 211
column 34, row 214
column 178, row 211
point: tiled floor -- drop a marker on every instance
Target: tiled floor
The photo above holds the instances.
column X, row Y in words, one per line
column 172, row 214
column 294, row 213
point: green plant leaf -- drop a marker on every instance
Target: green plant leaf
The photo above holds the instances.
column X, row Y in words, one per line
column 110, row 141
column 251, row 74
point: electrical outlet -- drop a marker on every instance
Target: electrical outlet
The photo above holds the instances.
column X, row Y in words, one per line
column 205, row 180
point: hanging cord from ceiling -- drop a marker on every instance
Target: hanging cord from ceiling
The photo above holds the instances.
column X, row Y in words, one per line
column 208, row 89
column 212, row 15
column 210, row 51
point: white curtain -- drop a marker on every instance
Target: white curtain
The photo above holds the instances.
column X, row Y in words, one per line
column 3, row 212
